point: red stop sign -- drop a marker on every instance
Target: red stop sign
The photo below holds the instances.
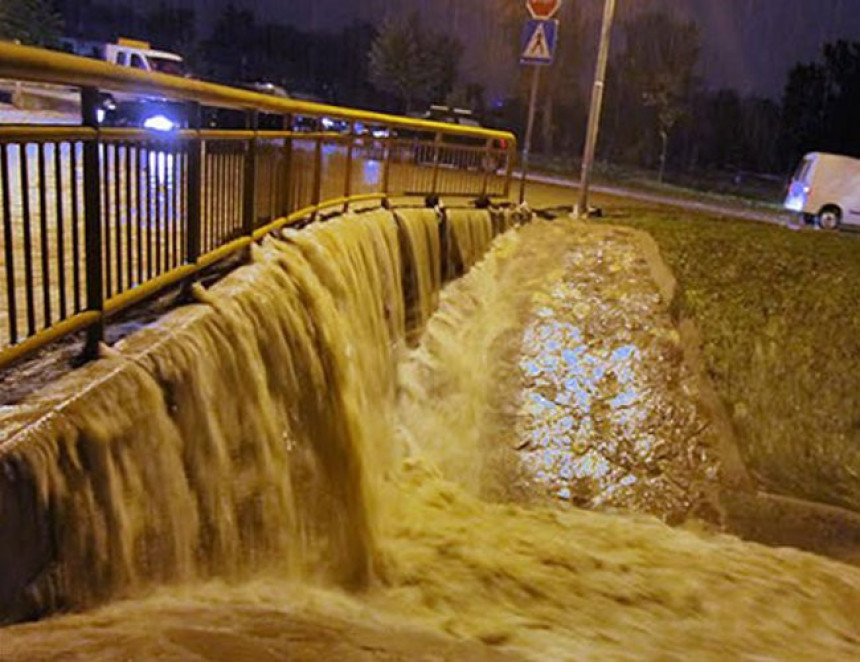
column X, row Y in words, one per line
column 543, row 8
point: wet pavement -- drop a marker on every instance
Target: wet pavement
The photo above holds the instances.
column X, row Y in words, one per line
column 609, row 415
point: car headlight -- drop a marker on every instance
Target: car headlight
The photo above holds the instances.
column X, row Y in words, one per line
column 159, row 123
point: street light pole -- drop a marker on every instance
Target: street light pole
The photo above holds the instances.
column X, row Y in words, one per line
column 596, row 107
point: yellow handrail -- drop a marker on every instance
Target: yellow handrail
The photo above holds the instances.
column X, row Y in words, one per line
column 46, row 66
column 51, row 67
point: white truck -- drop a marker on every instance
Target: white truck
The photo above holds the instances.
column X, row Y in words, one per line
column 133, row 110
column 128, row 53
column 825, row 189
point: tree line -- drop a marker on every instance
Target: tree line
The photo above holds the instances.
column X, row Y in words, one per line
column 658, row 112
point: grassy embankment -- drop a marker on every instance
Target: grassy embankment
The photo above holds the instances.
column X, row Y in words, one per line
column 779, row 315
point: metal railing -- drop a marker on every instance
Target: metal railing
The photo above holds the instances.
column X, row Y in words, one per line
column 95, row 219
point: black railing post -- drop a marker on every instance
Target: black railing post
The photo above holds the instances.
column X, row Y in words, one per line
column 488, row 165
column 286, row 198
column 92, row 221
column 194, row 184
column 249, row 203
column 347, row 183
column 317, row 183
column 386, row 167
column 437, row 156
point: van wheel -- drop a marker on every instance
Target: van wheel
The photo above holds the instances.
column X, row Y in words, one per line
column 830, row 218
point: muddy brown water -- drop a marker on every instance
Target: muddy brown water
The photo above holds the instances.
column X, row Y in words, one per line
column 384, row 494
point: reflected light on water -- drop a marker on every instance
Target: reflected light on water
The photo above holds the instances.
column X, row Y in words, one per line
column 604, row 420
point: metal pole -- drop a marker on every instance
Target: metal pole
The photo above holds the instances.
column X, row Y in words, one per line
column 93, row 222
column 249, row 202
column 437, row 156
column 530, row 125
column 194, row 184
column 596, row 107
column 347, row 183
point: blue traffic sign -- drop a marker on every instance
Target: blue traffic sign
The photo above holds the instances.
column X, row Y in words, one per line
column 539, row 40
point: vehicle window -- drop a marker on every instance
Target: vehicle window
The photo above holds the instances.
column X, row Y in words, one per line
column 165, row 66
column 803, row 170
column 121, row 59
column 137, row 61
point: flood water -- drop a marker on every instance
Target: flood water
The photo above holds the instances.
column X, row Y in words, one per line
column 332, row 456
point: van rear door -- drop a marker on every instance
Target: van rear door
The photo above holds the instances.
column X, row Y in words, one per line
column 801, row 184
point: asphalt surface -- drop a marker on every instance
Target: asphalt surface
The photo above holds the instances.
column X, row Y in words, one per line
column 548, row 190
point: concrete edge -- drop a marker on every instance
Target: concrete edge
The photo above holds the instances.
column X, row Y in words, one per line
column 751, row 514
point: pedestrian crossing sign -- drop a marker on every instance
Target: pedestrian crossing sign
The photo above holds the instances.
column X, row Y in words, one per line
column 540, row 38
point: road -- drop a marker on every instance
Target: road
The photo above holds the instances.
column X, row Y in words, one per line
column 550, row 191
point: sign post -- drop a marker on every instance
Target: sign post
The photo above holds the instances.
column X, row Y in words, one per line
column 539, row 41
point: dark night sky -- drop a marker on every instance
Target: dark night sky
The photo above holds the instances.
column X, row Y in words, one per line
column 748, row 44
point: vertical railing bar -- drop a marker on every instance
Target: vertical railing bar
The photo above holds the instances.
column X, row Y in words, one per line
column 273, row 180
column 268, row 192
column 205, row 196
column 287, row 198
column 139, row 208
column 92, row 220
column 44, row 244
column 164, row 203
column 105, row 172
column 316, row 191
column 28, row 240
column 249, row 206
column 117, row 200
column 236, row 172
column 76, row 252
column 218, row 221
column 156, row 191
column 9, row 245
column 210, row 199
column 173, row 178
column 215, row 194
column 61, row 234
column 386, row 166
column 225, row 218
column 178, row 235
column 509, row 170
column 437, row 148
column 169, row 211
column 147, row 194
column 487, row 165
column 129, row 215
column 347, row 183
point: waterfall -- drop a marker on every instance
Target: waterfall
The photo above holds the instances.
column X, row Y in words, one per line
column 235, row 433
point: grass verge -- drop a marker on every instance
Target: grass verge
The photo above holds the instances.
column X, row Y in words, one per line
column 779, row 315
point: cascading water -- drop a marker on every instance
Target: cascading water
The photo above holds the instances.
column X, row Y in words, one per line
column 296, row 429
column 235, row 434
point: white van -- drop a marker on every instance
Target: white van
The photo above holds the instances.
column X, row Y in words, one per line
column 826, row 188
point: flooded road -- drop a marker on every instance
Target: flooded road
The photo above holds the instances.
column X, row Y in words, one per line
column 454, row 471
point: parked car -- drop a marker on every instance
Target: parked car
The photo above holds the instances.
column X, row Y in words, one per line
column 453, row 157
column 825, row 189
